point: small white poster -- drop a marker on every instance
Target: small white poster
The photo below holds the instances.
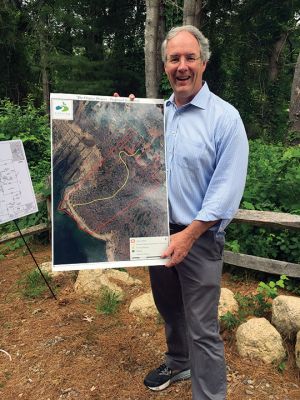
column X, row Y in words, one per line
column 17, row 197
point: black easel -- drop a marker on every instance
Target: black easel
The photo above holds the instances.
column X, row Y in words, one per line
column 41, row 272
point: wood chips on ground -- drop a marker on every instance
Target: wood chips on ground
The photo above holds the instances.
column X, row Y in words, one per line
column 64, row 349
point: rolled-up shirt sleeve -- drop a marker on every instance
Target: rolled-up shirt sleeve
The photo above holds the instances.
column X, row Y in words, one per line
column 227, row 183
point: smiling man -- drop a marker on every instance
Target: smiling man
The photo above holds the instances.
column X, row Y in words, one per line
column 184, row 66
column 207, row 154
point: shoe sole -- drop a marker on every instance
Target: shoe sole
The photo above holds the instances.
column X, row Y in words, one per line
column 182, row 376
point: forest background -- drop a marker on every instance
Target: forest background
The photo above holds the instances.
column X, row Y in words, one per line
column 101, row 47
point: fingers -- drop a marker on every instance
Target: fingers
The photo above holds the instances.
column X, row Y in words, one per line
column 168, row 252
column 175, row 259
column 178, row 249
column 176, row 256
column 131, row 96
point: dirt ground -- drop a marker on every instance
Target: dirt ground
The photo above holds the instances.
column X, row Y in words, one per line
column 64, row 349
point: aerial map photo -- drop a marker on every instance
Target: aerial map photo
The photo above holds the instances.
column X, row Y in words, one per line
column 109, row 182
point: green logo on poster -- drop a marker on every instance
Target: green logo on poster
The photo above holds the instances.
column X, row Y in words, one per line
column 62, row 108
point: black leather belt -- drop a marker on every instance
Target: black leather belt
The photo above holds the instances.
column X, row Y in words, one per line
column 174, row 228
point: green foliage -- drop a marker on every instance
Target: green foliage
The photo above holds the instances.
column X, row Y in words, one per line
column 273, row 184
column 270, row 289
column 30, row 124
column 293, row 285
column 281, row 367
column 11, row 246
column 96, row 47
column 230, row 321
column 233, row 245
column 252, row 305
column 165, row 87
column 33, row 284
column 243, row 37
column 108, row 302
column 273, row 180
column 257, row 305
column 173, row 13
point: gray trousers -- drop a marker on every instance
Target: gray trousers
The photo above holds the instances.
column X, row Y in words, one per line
column 187, row 297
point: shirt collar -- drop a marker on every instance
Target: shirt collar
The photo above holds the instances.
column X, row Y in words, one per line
column 200, row 100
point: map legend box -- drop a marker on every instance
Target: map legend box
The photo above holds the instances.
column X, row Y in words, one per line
column 148, row 247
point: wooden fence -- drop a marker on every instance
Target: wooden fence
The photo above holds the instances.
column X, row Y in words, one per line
column 257, row 218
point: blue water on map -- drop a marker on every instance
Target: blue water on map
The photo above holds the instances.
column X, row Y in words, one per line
column 71, row 244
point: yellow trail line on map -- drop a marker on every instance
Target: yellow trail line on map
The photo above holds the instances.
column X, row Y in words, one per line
column 122, row 187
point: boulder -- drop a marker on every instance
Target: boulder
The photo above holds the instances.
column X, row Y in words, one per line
column 286, row 315
column 297, row 350
column 258, row 339
column 90, row 282
column 144, row 306
column 227, row 302
column 47, row 267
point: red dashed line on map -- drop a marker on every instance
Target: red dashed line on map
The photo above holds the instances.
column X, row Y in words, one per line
column 130, row 205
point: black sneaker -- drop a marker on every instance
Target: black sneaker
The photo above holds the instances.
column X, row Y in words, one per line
column 163, row 376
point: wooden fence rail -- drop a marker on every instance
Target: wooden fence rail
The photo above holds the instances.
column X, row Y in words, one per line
column 253, row 217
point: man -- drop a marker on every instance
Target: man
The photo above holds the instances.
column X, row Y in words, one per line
column 207, row 152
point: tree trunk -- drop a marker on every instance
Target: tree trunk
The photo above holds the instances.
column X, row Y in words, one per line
column 151, row 35
column 192, row 12
column 44, row 70
column 294, row 114
column 41, row 26
column 160, row 38
column 274, row 59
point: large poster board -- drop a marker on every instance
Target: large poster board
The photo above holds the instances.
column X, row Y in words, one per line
column 17, row 198
column 109, row 182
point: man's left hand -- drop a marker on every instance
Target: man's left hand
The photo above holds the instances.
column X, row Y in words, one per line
column 180, row 245
column 182, row 242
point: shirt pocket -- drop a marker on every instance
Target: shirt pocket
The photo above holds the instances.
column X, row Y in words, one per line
column 190, row 154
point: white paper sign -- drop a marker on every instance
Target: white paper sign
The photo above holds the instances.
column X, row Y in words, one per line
column 108, row 181
column 17, row 197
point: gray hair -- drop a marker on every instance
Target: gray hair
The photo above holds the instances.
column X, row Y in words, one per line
column 202, row 40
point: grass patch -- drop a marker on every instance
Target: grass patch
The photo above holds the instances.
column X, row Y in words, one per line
column 108, row 302
column 33, row 284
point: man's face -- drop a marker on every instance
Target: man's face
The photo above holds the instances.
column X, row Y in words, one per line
column 184, row 67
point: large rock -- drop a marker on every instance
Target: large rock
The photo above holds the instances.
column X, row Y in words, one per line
column 47, row 267
column 286, row 315
column 90, row 282
column 227, row 302
column 297, row 350
column 144, row 306
column 258, row 339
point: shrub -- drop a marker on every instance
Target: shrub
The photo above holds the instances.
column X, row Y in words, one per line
column 273, row 184
column 31, row 125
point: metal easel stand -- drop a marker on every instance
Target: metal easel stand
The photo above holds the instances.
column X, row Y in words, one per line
column 41, row 272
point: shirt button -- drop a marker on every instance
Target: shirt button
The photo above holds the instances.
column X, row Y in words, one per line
column 173, row 133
